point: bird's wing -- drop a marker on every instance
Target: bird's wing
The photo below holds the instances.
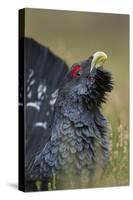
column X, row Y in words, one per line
column 40, row 76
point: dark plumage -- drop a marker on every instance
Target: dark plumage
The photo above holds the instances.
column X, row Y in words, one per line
column 77, row 126
column 40, row 92
column 78, row 132
column 40, row 75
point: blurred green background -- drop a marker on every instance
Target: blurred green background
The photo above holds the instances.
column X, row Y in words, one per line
column 74, row 36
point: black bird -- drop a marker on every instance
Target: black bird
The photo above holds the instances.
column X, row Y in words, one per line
column 76, row 141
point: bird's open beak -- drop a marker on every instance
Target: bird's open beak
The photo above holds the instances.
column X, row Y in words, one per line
column 98, row 59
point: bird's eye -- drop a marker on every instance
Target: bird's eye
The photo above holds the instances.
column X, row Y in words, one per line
column 76, row 71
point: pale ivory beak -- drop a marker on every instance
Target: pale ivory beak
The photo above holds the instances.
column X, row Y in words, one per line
column 98, row 59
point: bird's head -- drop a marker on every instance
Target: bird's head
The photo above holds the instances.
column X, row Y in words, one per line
column 90, row 80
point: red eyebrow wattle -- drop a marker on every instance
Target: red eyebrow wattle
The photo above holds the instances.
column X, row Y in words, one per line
column 74, row 70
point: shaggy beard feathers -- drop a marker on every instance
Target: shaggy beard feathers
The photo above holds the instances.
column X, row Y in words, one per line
column 98, row 90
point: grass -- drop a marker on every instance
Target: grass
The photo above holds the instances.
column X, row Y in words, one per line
column 117, row 172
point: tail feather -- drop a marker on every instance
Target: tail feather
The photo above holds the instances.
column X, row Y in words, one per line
column 43, row 74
